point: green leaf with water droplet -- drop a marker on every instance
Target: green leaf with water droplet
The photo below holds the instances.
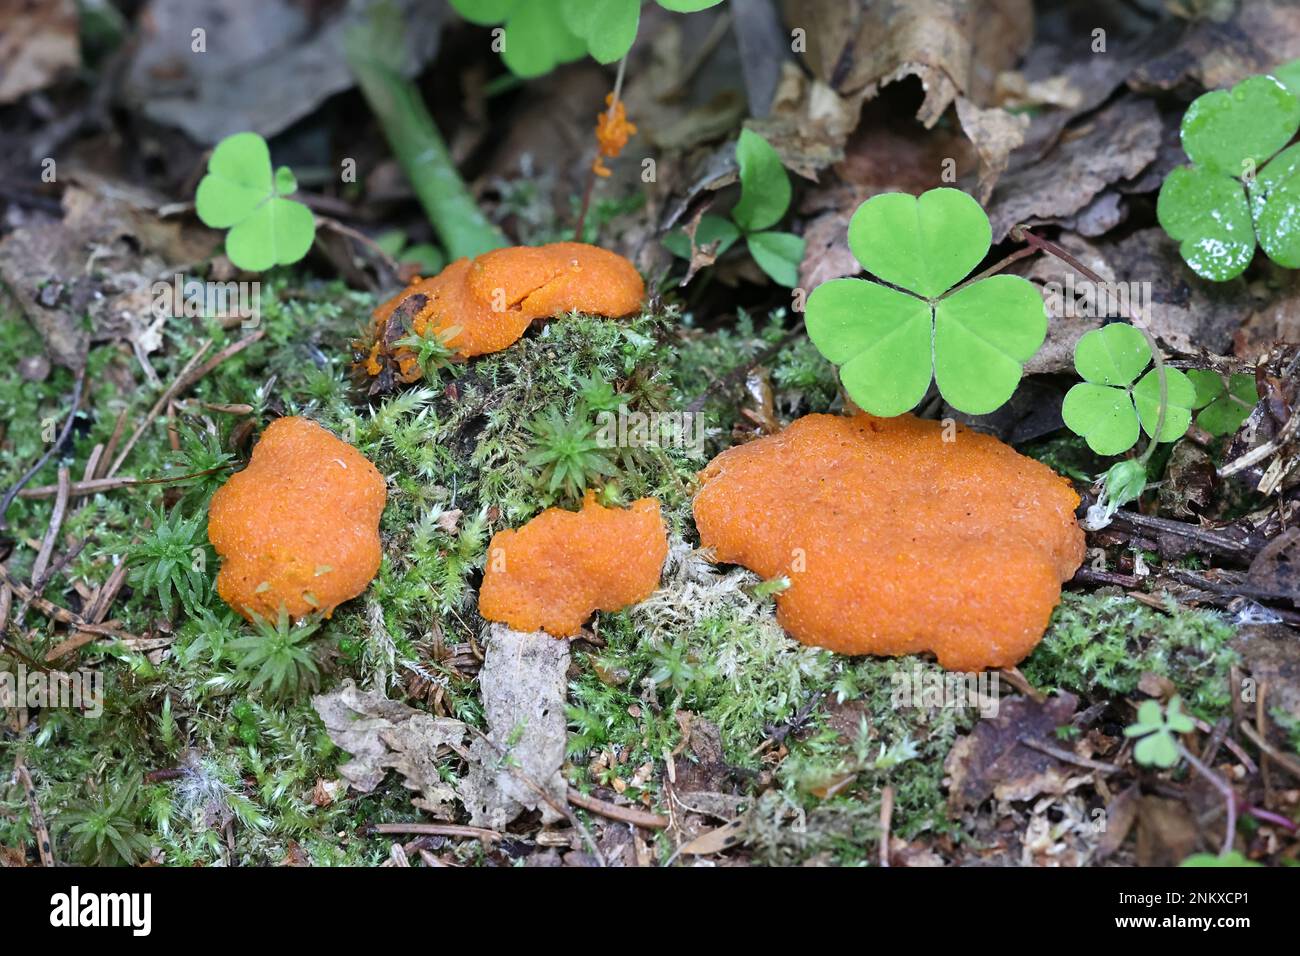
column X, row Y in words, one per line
column 1235, row 131
column 1208, row 215
column 889, row 344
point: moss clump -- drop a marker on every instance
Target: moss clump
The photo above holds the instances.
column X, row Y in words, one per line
column 1103, row 643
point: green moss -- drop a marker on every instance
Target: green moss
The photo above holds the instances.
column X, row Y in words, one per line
column 1101, row 644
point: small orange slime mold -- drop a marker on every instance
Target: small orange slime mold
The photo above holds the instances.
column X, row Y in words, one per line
column 482, row 305
column 298, row 527
column 894, row 540
column 557, row 569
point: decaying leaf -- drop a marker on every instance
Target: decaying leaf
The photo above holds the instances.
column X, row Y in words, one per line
column 523, row 684
column 38, row 42
column 991, row 761
column 382, row 735
column 995, row 133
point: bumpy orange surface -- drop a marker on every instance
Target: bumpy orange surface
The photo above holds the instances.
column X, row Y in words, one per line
column 894, row 540
column 299, row 526
column 552, row 573
column 484, row 304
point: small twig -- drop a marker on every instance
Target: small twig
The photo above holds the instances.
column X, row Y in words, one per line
column 436, row 829
column 12, row 493
column 886, row 822
column 42, row 562
column 43, row 843
column 177, row 384
column 1277, row 756
column 740, row 371
column 638, row 818
column 60, row 614
column 1256, row 455
column 95, row 485
column 1066, row 756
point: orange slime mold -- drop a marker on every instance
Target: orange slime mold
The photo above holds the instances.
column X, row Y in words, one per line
column 299, row 526
column 482, row 305
column 557, row 569
column 894, row 540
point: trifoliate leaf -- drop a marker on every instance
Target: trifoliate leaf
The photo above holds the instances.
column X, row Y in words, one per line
column 1207, row 213
column 973, row 341
column 1289, row 74
column 925, row 245
column 1107, row 409
column 778, row 254
column 764, row 184
column 242, row 193
column 1222, row 409
column 1235, row 131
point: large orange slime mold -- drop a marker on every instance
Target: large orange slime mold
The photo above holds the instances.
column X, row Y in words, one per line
column 298, row 527
column 894, row 540
column 481, row 305
column 557, row 569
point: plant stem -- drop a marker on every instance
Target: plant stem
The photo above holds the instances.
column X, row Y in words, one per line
column 591, row 171
column 396, row 102
column 1229, row 797
column 1046, row 245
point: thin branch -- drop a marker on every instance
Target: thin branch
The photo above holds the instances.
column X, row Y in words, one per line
column 638, row 818
column 12, row 493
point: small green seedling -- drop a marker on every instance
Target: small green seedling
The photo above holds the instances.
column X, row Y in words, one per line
column 241, row 193
column 1223, row 406
column 1107, row 406
column 542, row 34
column 1158, row 747
column 764, row 198
column 1228, row 198
column 890, row 340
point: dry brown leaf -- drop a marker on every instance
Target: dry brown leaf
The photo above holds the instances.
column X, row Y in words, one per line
column 38, row 42
column 995, row 133
column 382, row 734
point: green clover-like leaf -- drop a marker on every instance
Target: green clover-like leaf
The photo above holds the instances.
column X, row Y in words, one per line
column 1235, row 131
column 1106, row 408
column 241, row 192
column 537, row 39
column 688, row 6
column 1233, row 858
column 764, row 184
column 973, row 341
column 1156, row 727
column 925, row 245
column 608, row 27
column 1207, row 213
column 1223, row 408
column 1220, row 207
column 778, row 254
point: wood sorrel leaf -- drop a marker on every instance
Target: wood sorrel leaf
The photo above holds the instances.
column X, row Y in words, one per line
column 1102, row 415
column 983, row 335
column 239, row 177
column 240, row 192
column 710, row 230
column 485, row 12
column 279, row 231
column 880, row 337
column 1222, row 409
column 688, row 6
column 924, row 245
column 778, row 254
column 1275, row 205
column 1115, row 354
column 537, row 40
column 611, row 28
column 1207, row 213
column 1178, row 411
column 764, row 184
column 974, row 341
column 1235, row 131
